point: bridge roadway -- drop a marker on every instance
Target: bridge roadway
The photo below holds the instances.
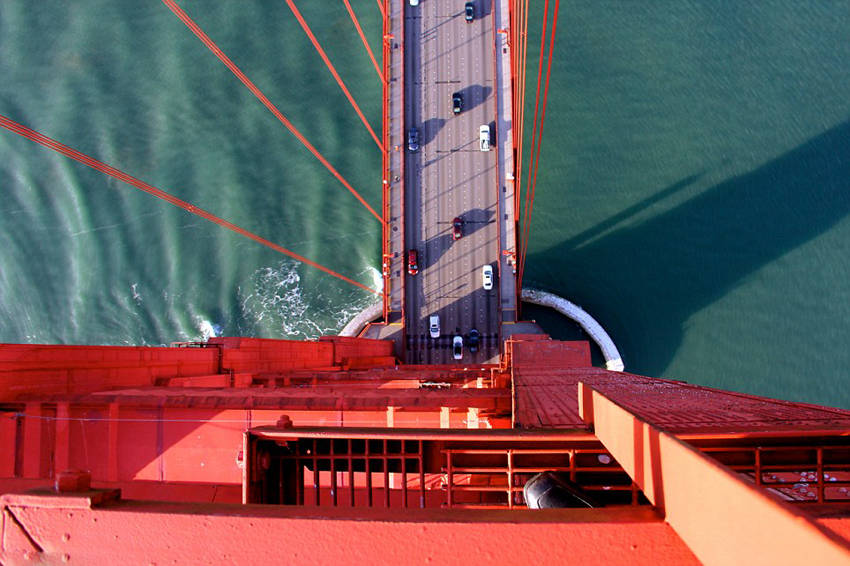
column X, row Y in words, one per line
column 449, row 176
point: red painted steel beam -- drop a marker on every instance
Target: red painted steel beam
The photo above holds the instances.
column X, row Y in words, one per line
column 53, row 529
column 721, row 517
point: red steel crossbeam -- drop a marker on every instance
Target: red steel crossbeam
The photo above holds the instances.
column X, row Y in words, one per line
column 141, row 185
column 721, row 517
column 332, row 69
column 363, row 38
column 77, row 528
column 266, row 102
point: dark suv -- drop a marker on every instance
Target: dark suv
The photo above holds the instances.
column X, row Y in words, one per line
column 457, row 102
column 473, row 340
column 413, row 139
column 469, row 12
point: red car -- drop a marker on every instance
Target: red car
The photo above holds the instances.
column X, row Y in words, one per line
column 413, row 262
column 457, row 229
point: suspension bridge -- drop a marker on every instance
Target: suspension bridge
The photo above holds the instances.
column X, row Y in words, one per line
column 453, row 85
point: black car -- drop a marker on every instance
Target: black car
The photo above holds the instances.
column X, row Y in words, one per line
column 469, row 12
column 473, row 340
column 457, row 102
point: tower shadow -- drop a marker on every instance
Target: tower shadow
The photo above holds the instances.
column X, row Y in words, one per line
column 650, row 288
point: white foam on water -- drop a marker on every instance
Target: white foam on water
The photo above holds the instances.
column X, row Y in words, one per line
column 208, row 330
column 280, row 306
column 377, row 278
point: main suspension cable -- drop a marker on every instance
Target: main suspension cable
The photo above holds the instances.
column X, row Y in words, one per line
column 266, row 102
column 523, row 245
column 363, row 39
column 331, row 68
column 539, row 139
column 141, row 185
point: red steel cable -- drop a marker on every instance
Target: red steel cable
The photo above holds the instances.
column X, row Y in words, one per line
column 363, row 38
column 331, row 68
column 523, row 59
column 540, row 134
column 522, row 71
column 121, row 176
column 381, row 8
column 272, row 108
column 533, row 140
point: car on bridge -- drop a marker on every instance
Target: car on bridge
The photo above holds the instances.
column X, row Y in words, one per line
column 413, row 262
column 487, row 277
column 469, row 12
column 457, row 228
column 413, row 139
column 457, row 102
column 473, row 340
column 457, row 347
column 484, row 137
column 434, row 325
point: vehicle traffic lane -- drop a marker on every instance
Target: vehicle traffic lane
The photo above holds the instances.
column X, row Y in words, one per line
column 456, row 277
column 453, row 178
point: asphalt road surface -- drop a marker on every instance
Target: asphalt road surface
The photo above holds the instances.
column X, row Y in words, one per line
column 449, row 176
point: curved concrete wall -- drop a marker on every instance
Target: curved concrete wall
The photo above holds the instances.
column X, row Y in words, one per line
column 613, row 360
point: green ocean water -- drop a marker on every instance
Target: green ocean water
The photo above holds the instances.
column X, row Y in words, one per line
column 693, row 192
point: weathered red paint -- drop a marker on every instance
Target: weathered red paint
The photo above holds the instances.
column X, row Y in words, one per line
column 54, row 529
column 169, row 424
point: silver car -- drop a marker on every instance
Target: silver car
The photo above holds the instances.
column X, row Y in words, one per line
column 457, row 347
column 434, row 325
column 413, row 139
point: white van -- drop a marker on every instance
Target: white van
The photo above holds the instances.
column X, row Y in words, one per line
column 484, row 137
column 434, row 325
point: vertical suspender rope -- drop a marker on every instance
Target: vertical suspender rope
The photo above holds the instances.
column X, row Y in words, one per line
column 266, row 102
column 331, row 68
column 50, row 143
column 540, row 139
column 521, row 74
column 363, row 39
column 533, row 142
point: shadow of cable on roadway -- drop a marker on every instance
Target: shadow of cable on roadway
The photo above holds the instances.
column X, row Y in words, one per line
column 433, row 249
column 646, row 288
column 429, row 129
column 474, row 96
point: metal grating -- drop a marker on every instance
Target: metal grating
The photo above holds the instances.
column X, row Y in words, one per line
column 798, row 474
column 324, row 470
column 495, row 477
column 339, row 472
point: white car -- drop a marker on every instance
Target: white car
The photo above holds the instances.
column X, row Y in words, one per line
column 457, row 347
column 434, row 325
column 484, row 137
column 414, row 2
column 487, row 277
